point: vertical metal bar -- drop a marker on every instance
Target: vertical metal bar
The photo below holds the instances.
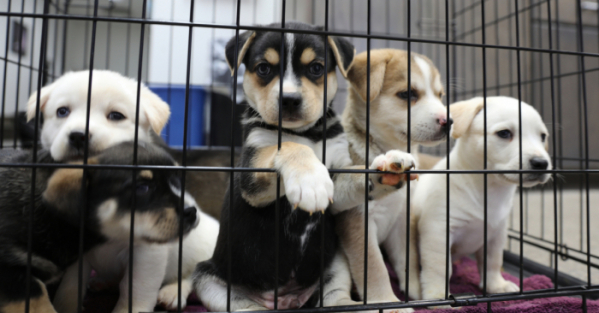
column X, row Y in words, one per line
column 518, row 70
column 39, row 72
column 184, row 160
column 324, row 149
column 65, row 24
column 554, row 144
column 559, row 119
column 85, row 34
column 279, row 142
column 497, row 77
column 486, row 215
column 447, row 150
column 6, row 45
column 409, row 148
column 135, row 141
column 232, row 151
column 108, row 31
column 128, row 47
column 473, row 24
column 169, row 85
column 18, row 78
column 367, row 152
column 586, row 137
column 34, row 158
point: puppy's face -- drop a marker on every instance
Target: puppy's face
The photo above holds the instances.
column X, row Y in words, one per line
column 389, row 96
column 503, row 139
column 154, row 195
column 303, row 73
column 111, row 117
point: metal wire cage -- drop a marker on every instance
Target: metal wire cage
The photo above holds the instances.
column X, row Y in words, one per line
column 543, row 52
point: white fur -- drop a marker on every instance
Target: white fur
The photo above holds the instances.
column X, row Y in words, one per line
column 467, row 195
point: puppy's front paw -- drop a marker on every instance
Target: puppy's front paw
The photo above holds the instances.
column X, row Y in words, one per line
column 501, row 286
column 310, row 189
column 393, row 161
column 168, row 295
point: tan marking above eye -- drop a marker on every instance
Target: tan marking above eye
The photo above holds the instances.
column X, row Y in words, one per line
column 272, row 56
column 147, row 174
column 308, row 56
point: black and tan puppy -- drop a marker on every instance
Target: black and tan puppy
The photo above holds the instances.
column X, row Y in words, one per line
column 305, row 180
column 111, row 196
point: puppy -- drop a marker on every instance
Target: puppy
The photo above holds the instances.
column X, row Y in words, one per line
column 467, row 190
column 56, row 211
column 63, row 105
column 388, row 130
column 305, row 180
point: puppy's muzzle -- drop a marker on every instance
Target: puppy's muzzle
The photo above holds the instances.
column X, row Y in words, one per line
column 77, row 139
column 538, row 163
column 292, row 105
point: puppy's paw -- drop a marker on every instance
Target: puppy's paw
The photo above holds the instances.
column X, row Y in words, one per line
column 310, row 189
column 394, row 161
column 501, row 286
column 168, row 295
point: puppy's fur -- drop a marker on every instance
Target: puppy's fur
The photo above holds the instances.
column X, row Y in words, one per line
column 305, row 180
column 63, row 105
column 56, row 208
column 467, row 190
column 388, row 130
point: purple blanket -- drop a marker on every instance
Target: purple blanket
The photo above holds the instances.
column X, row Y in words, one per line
column 465, row 279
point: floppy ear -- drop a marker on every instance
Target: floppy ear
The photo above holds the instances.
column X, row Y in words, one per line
column 157, row 111
column 64, row 187
column 344, row 53
column 463, row 113
column 357, row 75
column 245, row 41
column 44, row 96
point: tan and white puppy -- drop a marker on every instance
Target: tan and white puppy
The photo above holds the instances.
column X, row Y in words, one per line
column 388, row 130
column 63, row 107
column 467, row 190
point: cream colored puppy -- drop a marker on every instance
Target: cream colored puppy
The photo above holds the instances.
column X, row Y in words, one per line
column 467, row 190
column 63, row 106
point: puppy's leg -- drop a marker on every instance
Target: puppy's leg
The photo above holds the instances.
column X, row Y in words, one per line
column 65, row 300
column 350, row 227
column 212, row 291
column 305, row 179
column 38, row 303
column 350, row 188
column 169, row 294
column 432, row 258
column 495, row 282
column 149, row 267
column 395, row 246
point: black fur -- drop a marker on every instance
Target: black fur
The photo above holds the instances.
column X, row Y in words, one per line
column 56, row 226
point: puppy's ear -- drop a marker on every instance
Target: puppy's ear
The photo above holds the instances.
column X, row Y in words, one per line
column 245, row 41
column 344, row 53
column 44, row 96
column 157, row 111
column 463, row 113
column 357, row 75
column 64, row 187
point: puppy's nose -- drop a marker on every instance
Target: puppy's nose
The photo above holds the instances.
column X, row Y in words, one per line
column 77, row 139
column 445, row 123
column 291, row 102
column 190, row 214
column 538, row 163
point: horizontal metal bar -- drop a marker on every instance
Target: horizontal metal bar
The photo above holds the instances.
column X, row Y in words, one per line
column 562, row 246
column 552, row 250
column 24, row 65
column 298, row 31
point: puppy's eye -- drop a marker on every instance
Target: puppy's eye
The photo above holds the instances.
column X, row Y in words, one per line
column 316, row 69
column 63, row 112
column 142, row 189
column 115, row 116
column 505, row 134
column 440, row 95
column 543, row 137
column 263, row 69
column 404, row 95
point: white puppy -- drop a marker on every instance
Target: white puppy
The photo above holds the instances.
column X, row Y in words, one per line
column 63, row 106
column 467, row 190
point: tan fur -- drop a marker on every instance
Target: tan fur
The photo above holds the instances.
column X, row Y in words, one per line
column 339, row 59
column 463, row 113
column 242, row 53
column 41, row 304
column 147, row 174
column 63, row 184
column 427, row 161
column 272, row 56
column 307, row 56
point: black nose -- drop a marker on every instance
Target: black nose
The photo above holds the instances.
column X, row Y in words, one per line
column 77, row 139
column 538, row 164
column 291, row 103
column 190, row 214
column 446, row 124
